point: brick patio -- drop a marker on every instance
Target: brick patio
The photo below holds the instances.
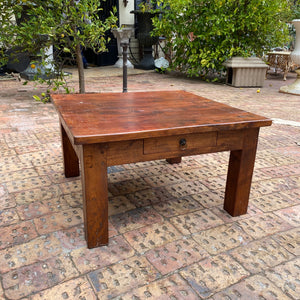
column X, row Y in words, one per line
column 169, row 236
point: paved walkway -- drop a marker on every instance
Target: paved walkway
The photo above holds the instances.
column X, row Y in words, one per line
column 169, row 237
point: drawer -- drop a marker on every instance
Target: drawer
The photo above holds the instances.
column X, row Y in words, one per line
column 180, row 143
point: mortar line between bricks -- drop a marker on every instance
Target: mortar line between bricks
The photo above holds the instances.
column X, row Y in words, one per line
column 286, row 122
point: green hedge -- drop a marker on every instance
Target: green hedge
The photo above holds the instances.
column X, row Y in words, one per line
column 202, row 34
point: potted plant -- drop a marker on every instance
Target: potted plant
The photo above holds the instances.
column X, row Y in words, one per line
column 144, row 15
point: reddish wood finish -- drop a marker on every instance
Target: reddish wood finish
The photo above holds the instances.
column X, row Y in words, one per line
column 174, row 160
column 118, row 128
column 95, row 118
column 173, row 143
column 240, row 170
column 71, row 163
column 95, row 194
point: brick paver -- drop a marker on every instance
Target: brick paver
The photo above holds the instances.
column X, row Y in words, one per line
column 169, row 236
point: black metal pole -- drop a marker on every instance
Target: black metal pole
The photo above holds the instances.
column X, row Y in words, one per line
column 124, row 46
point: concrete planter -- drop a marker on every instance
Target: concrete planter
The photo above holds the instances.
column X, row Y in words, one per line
column 246, row 72
column 294, row 88
column 145, row 26
column 122, row 35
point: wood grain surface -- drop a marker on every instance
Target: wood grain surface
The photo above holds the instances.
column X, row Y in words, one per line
column 94, row 118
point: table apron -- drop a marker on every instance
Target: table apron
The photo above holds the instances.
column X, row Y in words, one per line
column 65, row 130
column 168, row 147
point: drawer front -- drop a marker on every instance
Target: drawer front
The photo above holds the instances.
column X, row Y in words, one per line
column 180, row 143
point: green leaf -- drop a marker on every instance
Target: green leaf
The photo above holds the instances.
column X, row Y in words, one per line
column 37, row 98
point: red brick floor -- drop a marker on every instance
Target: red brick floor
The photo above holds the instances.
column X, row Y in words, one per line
column 169, row 236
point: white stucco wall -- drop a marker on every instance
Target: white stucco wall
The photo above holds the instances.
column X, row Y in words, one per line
column 125, row 17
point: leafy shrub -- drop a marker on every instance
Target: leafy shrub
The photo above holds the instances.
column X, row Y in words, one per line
column 202, row 34
column 69, row 25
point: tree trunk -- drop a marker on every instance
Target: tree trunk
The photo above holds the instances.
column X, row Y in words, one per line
column 78, row 58
column 80, row 70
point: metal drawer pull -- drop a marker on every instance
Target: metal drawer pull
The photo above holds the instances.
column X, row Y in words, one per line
column 182, row 142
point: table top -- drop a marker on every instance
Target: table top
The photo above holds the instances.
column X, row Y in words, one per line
column 108, row 117
column 280, row 53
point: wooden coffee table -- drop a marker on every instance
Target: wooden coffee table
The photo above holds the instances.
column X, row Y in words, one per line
column 101, row 130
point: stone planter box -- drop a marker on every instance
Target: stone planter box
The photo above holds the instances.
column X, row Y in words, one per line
column 246, row 72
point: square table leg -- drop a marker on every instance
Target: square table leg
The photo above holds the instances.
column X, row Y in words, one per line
column 174, row 160
column 71, row 163
column 95, row 194
column 239, row 177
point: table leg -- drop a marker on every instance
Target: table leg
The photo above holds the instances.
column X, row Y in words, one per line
column 286, row 71
column 174, row 160
column 95, row 194
column 239, row 177
column 71, row 163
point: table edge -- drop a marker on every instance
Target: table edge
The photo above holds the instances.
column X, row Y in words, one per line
column 79, row 140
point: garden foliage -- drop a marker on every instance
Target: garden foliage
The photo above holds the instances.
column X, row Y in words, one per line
column 203, row 34
column 69, row 25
